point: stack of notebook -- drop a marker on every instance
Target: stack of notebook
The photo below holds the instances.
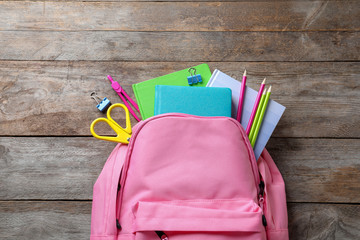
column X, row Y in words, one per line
column 145, row 91
column 216, row 94
column 272, row 115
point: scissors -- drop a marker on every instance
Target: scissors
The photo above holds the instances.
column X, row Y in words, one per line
column 123, row 134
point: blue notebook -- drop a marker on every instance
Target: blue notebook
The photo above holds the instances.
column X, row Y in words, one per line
column 200, row 101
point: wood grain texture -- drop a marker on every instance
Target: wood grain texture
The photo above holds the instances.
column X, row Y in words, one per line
column 181, row 16
column 323, row 221
column 51, row 168
column 324, row 170
column 52, row 98
column 308, row 50
column 179, row 46
column 53, row 220
column 314, row 170
column 71, row 220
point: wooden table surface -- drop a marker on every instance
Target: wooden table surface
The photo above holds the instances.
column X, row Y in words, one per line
column 53, row 54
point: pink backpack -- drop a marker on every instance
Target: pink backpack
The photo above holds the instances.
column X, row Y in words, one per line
column 188, row 177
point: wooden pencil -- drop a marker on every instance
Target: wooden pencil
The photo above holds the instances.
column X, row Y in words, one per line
column 251, row 135
column 261, row 117
column 256, row 105
column 241, row 97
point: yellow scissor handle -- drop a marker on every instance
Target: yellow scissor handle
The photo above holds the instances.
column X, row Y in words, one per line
column 123, row 134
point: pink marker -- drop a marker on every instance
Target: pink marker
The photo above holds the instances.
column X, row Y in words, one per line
column 124, row 97
column 256, row 105
column 241, row 97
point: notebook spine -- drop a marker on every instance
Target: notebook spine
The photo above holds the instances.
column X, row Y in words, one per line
column 157, row 100
column 211, row 80
column 134, row 87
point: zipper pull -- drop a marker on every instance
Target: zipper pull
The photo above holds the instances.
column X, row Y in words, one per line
column 118, row 226
column 162, row 235
column 264, row 222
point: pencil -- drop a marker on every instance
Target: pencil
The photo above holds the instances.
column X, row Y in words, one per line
column 241, row 97
column 262, row 113
column 256, row 119
column 256, row 105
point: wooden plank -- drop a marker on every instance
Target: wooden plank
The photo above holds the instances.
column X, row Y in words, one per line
column 180, row 16
column 54, row 220
column 71, row 220
column 318, row 170
column 314, row 170
column 52, row 98
column 51, row 168
column 323, row 221
column 179, row 46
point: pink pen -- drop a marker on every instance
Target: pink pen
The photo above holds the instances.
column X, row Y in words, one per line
column 124, row 97
column 255, row 107
column 241, row 97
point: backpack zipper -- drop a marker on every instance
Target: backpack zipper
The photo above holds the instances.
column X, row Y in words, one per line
column 261, row 201
column 118, row 226
column 140, row 125
column 162, row 235
column 123, row 175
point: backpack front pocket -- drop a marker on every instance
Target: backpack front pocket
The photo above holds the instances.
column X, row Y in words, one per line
column 198, row 219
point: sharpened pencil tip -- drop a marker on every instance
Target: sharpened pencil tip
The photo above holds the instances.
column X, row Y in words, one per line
column 264, row 81
column 264, row 92
column 269, row 89
column 244, row 73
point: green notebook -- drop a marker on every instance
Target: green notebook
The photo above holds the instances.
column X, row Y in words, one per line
column 145, row 91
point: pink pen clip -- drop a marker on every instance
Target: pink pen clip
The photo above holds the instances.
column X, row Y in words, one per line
column 124, row 97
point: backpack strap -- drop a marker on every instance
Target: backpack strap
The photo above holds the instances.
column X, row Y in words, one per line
column 275, row 199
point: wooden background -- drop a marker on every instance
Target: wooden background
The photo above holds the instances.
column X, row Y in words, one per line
column 53, row 54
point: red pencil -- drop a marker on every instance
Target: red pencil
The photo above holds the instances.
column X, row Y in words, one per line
column 256, row 105
column 241, row 97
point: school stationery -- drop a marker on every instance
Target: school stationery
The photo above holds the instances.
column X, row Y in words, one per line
column 145, row 91
column 194, row 78
column 252, row 131
column 123, row 134
column 261, row 116
column 256, row 105
column 124, row 97
column 272, row 115
column 241, row 97
column 188, row 177
column 195, row 101
column 102, row 105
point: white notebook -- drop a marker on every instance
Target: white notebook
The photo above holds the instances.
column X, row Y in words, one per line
column 272, row 115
